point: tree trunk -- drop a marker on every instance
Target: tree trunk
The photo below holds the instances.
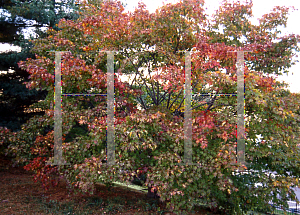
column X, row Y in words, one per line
column 151, row 194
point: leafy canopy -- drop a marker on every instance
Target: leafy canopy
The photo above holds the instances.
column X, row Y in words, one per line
column 153, row 137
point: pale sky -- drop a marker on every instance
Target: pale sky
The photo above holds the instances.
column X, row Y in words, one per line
column 260, row 7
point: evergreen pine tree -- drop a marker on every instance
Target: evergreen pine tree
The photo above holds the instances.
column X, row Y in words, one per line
column 16, row 16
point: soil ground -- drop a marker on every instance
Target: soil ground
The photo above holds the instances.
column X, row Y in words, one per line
column 19, row 194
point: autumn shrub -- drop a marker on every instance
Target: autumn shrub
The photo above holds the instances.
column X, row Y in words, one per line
column 153, row 138
column 4, row 141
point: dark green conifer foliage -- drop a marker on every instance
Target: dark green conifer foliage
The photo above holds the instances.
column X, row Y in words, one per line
column 16, row 16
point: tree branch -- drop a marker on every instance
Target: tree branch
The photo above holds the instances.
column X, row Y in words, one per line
column 211, row 102
column 176, row 99
column 199, row 105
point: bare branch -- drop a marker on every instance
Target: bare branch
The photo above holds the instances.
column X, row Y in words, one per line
column 176, row 98
column 169, row 99
column 199, row 105
column 163, row 98
column 212, row 102
column 221, row 105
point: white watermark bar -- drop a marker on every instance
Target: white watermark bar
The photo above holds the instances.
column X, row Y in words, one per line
column 58, row 159
column 110, row 109
column 240, row 108
column 240, row 148
column 188, row 110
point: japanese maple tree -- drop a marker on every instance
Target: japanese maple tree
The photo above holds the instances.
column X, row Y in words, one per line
column 152, row 137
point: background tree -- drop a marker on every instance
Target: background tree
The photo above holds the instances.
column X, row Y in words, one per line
column 152, row 138
column 17, row 17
